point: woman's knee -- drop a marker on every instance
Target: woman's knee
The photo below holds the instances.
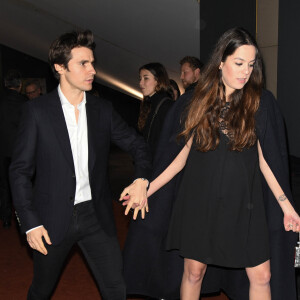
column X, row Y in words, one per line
column 263, row 277
column 260, row 275
column 194, row 271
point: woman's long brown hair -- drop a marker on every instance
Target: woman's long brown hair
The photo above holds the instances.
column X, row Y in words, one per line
column 203, row 116
column 163, row 84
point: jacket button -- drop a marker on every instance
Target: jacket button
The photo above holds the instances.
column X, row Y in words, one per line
column 71, row 198
column 73, row 175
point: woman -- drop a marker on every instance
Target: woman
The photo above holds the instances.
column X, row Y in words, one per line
column 175, row 89
column 232, row 130
column 155, row 87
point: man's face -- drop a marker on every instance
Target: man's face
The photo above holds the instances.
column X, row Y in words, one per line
column 32, row 91
column 188, row 75
column 79, row 75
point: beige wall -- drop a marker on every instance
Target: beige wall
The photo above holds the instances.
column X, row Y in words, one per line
column 267, row 38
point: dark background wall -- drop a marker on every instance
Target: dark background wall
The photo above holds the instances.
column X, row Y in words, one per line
column 30, row 67
column 288, row 70
column 216, row 16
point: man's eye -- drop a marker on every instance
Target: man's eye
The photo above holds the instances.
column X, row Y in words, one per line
column 238, row 64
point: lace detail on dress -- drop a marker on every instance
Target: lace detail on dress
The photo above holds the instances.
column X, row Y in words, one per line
column 222, row 123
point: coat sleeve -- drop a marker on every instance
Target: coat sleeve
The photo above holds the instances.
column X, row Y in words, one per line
column 22, row 170
column 129, row 140
column 271, row 135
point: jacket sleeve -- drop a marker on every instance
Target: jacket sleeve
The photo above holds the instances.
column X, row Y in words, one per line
column 129, row 140
column 22, row 170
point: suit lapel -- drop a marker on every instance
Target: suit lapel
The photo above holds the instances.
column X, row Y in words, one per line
column 60, row 128
column 92, row 117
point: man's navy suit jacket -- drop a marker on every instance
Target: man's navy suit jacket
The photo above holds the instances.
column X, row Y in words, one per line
column 42, row 173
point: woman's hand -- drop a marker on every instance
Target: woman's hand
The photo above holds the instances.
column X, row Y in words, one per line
column 291, row 221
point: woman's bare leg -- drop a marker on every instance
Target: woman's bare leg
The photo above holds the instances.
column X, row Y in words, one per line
column 192, row 279
column 259, row 278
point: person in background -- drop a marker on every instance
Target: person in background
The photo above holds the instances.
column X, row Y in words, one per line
column 33, row 89
column 11, row 102
column 63, row 143
column 175, row 89
column 190, row 71
column 155, row 87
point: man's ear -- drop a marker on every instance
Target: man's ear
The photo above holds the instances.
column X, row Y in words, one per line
column 197, row 73
column 59, row 68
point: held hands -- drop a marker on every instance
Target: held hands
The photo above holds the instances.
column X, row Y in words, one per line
column 34, row 239
column 135, row 196
column 291, row 221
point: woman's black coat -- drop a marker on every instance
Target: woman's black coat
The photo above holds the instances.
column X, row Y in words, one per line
column 151, row 270
column 160, row 104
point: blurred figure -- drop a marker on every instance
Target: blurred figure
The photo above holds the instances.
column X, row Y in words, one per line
column 175, row 89
column 190, row 71
column 33, row 89
column 155, row 87
column 10, row 109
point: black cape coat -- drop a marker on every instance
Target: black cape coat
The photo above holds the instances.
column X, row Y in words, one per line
column 151, row 270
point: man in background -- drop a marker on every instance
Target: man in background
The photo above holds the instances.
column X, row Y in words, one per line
column 190, row 72
column 33, row 89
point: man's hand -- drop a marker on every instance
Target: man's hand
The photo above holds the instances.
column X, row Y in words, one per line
column 136, row 197
column 34, row 239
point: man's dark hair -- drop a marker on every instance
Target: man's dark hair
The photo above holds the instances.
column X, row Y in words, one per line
column 60, row 50
column 13, row 79
column 193, row 61
column 36, row 82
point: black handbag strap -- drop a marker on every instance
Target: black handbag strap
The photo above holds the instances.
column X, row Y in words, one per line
column 155, row 113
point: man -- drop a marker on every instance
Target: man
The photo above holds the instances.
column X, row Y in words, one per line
column 11, row 102
column 63, row 146
column 190, row 72
column 33, row 89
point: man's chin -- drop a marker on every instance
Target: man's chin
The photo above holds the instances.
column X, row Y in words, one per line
column 88, row 88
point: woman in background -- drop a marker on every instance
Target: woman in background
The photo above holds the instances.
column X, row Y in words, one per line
column 175, row 89
column 155, row 87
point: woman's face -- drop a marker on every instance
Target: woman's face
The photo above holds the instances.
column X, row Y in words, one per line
column 148, row 83
column 237, row 68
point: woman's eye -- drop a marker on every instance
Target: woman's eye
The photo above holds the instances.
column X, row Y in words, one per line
column 238, row 64
column 251, row 66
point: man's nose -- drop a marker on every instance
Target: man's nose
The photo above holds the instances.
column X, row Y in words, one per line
column 92, row 69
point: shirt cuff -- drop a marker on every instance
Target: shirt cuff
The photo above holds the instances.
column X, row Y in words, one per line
column 33, row 229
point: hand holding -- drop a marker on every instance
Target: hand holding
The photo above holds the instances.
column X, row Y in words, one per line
column 135, row 196
column 35, row 241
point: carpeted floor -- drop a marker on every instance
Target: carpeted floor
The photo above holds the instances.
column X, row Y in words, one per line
column 76, row 281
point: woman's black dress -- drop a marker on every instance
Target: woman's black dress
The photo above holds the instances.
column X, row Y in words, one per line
column 151, row 270
column 219, row 215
